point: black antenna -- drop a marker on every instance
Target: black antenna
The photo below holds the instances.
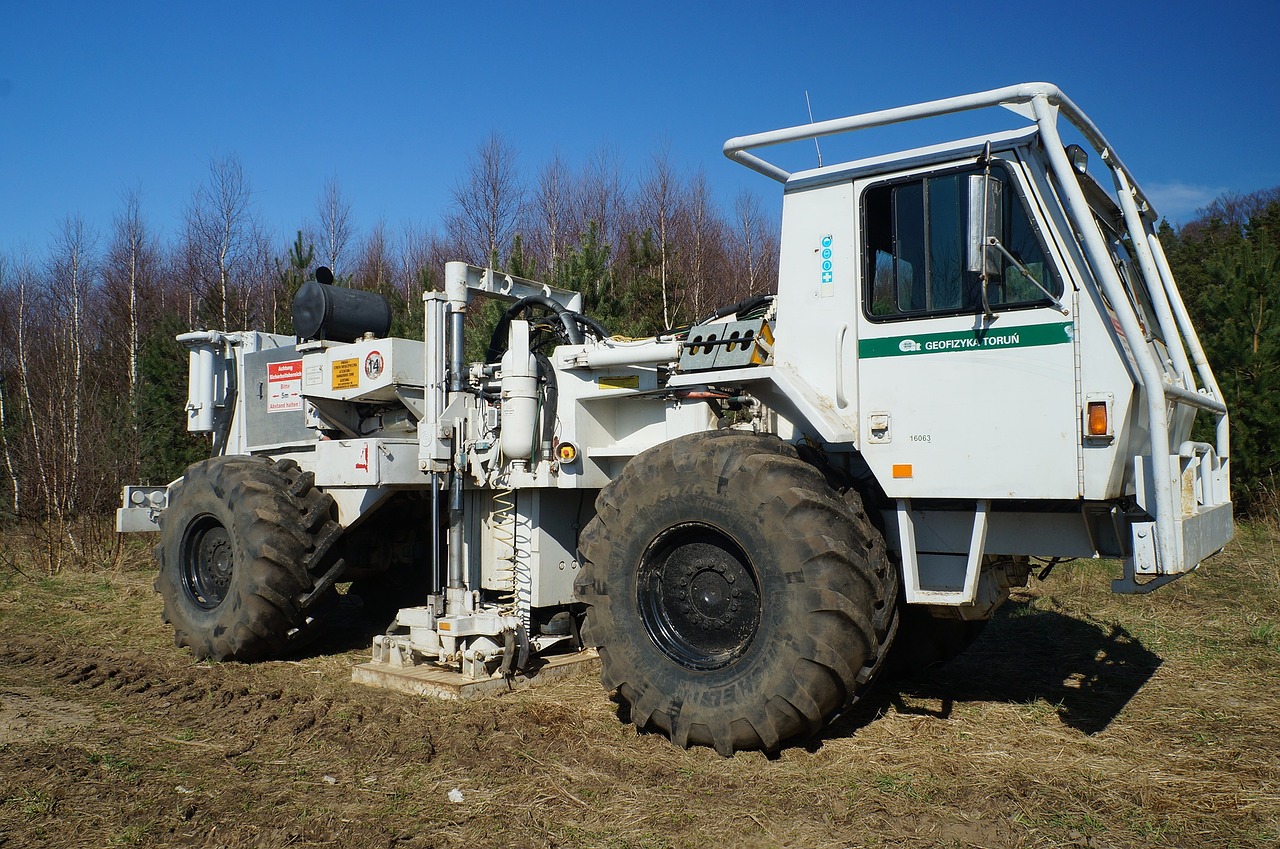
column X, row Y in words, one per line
column 809, row 106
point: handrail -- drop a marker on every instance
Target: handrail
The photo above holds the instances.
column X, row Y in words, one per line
column 1016, row 98
column 1077, row 207
column 1194, row 399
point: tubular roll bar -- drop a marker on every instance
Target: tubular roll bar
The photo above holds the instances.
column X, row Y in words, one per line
column 1041, row 103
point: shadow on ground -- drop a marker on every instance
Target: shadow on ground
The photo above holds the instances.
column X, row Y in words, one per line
column 347, row 625
column 1088, row 669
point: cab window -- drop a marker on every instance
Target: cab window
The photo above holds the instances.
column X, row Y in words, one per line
column 916, row 242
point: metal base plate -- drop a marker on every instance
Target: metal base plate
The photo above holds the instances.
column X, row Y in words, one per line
column 428, row 680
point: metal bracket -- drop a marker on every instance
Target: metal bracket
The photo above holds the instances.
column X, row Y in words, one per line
column 915, row 593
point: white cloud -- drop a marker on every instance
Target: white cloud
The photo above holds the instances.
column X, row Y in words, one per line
column 1179, row 201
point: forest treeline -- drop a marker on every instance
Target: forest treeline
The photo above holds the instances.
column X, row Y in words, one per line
column 92, row 383
column 1227, row 264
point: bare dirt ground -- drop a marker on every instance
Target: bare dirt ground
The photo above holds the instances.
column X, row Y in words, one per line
column 1078, row 719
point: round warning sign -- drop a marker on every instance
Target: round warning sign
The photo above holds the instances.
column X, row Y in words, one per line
column 374, row 364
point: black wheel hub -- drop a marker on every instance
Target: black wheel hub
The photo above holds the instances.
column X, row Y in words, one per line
column 699, row 596
column 207, row 562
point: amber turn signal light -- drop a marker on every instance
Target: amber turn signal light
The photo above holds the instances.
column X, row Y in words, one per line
column 1097, row 418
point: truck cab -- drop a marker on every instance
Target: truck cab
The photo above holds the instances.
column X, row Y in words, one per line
column 1001, row 342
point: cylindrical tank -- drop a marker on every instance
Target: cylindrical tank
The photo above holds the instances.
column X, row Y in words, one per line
column 339, row 314
column 202, row 388
column 519, row 395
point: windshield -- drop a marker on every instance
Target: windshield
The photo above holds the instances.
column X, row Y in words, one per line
column 1120, row 246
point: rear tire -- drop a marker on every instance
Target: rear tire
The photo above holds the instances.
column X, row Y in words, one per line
column 736, row 599
column 242, row 546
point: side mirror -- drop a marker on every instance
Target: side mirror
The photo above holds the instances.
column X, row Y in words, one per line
column 986, row 218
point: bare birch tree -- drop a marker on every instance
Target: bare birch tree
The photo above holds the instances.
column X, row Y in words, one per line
column 129, row 273
column 603, row 196
column 554, row 215
column 220, row 227
column 7, row 368
column 755, row 249
column 72, row 277
column 702, row 239
column 334, row 214
column 660, row 210
column 487, row 202
column 27, row 283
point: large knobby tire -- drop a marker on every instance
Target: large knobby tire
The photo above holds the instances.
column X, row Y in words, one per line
column 243, row 543
column 736, row 599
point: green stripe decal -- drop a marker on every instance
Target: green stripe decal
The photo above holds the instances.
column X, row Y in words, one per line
column 988, row 339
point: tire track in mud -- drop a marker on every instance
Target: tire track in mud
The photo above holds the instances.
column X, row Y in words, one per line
column 217, row 701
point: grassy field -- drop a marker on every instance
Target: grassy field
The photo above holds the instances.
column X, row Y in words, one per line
column 1078, row 719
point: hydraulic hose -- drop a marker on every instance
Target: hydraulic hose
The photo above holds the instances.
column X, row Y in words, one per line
column 591, row 324
column 568, row 318
column 551, row 394
column 745, row 305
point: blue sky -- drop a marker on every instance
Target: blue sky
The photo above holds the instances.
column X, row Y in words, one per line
column 391, row 97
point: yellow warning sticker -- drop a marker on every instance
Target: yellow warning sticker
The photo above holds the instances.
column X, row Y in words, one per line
column 618, row 381
column 346, row 374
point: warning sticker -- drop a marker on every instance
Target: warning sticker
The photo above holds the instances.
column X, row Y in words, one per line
column 346, row 374
column 284, row 387
column 618, row 381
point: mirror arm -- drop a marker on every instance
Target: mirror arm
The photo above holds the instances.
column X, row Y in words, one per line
column 992, row 241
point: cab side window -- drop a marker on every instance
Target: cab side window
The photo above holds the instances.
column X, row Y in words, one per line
column 916, row 250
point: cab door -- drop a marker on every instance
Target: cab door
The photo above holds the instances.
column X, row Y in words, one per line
column 966, row 359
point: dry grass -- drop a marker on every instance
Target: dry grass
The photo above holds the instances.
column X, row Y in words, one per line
column 1078, row 719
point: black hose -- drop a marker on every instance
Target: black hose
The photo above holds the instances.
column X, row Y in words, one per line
column 745, row 305
column 551, row 395
column 568, row 318
column 591, row 324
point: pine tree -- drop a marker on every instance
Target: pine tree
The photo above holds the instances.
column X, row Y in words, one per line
column 290, row 276
column 1228, row 270
column 167, row 447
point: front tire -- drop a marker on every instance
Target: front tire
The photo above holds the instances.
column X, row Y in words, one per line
column 242, row 546
column 736, row 599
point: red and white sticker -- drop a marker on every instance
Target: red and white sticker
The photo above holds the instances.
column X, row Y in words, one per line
column 284, row 387
column 374, row 364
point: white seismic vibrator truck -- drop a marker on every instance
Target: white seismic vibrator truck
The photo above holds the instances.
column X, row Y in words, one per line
column 976, row 356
